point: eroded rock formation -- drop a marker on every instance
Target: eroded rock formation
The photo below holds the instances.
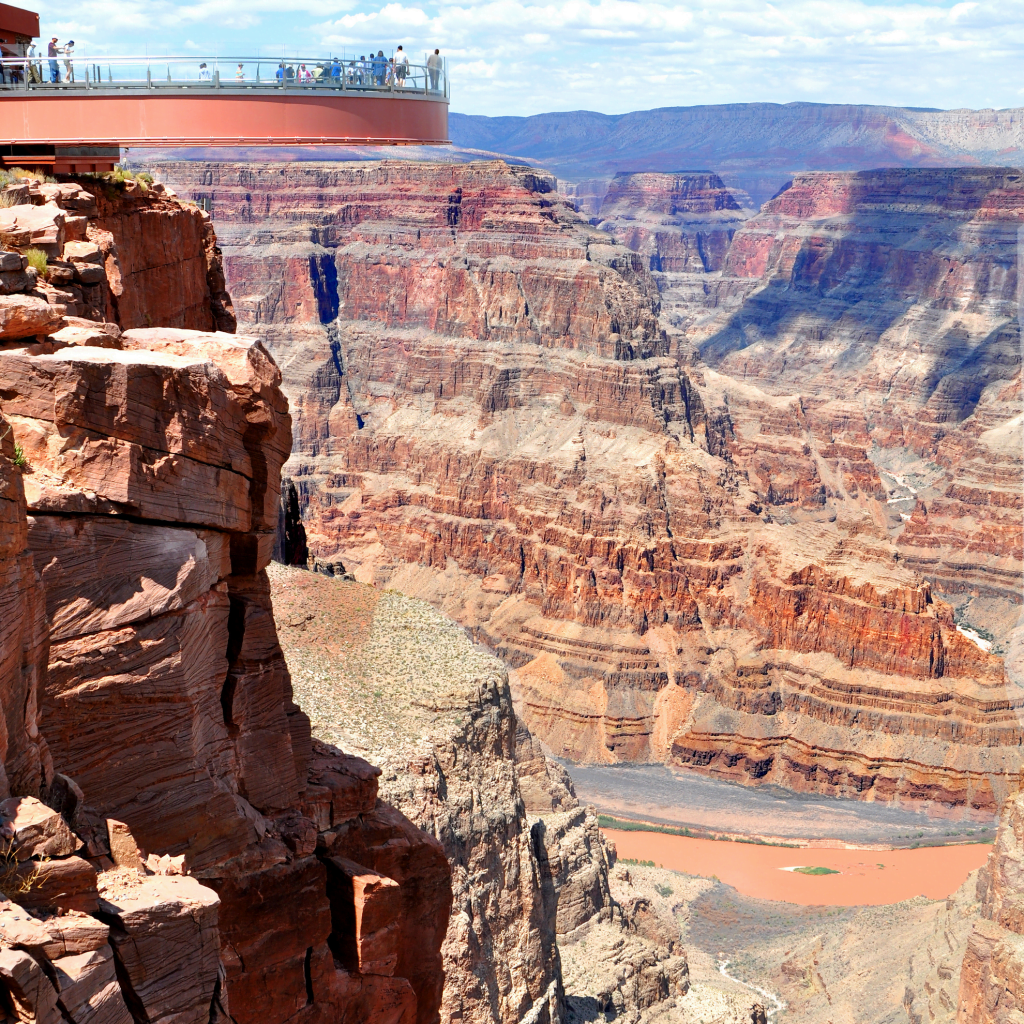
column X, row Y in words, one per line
column 773, row 536
column 992, row 976
column 393, row 679
column 175, row 847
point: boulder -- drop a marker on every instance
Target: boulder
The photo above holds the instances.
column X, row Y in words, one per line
column 41, row 227
column 163, row 930
column 87, row 333
column 89, row 992
column 24, row 316
column 366, row 917
column 29, row 991
column 65, row 884
column 69, row 195
column 341, row 786
column 124, row 851
column 34, row 830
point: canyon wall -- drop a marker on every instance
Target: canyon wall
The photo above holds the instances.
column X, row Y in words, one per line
column 176, row 847
column 748, row 504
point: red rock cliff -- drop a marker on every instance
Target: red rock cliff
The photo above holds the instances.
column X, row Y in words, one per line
column 184, row 851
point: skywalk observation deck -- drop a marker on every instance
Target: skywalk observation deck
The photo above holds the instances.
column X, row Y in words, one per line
column 79, row 122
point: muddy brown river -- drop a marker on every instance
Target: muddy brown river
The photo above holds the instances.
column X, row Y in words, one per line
column 862, row 877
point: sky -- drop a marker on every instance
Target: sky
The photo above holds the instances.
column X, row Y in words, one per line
column 523, row 57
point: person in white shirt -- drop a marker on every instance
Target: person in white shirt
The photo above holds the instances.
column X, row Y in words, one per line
column 204, row 73
column 434, row 69
column 401, row 67
column 35, row 73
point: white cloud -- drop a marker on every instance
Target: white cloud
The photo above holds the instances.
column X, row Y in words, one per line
column 525, row 56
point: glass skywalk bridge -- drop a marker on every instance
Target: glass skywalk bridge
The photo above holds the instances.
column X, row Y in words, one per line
column 75, row 112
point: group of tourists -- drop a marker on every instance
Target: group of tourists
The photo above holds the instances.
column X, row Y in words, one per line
column 53, row 51
column 362, row 73
column 373, row 71
column 32, row 65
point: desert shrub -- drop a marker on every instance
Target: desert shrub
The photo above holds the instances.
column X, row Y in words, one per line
column 13, row 883
column 37, row 260
column 17, row 173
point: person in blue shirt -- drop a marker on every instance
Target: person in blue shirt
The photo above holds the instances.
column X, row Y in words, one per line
column 336, row 70
column 380, row 67
column 279, row 73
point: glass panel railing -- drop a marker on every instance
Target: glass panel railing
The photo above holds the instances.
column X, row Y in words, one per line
column 367, row 75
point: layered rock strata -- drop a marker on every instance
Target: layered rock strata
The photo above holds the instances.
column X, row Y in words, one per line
column 678, row 222
column 176, row 848
column 732, row 540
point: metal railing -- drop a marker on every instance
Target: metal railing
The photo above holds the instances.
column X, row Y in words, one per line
column 344, row 74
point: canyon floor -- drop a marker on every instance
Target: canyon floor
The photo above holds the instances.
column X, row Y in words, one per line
column 371, row 667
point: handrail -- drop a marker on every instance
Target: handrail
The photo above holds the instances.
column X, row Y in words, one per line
column 156, row 73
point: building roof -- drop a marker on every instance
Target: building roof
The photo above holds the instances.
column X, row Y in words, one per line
column 17, row 21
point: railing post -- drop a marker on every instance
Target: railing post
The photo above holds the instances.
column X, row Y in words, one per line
column 168, row 72
column 87, row 76
column 216, row 78
column 149, row 77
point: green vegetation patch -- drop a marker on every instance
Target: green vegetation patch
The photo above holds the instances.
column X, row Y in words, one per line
column 607, row 821
column 37, row 261
column 625, row 825
column 816, row 871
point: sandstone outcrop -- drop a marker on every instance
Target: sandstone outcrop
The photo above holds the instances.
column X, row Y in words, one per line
column 169, row 845
column 124, row 255
column 775, row 538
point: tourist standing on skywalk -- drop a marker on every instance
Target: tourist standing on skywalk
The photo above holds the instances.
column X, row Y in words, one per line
column 34, row 71
column 434, row 67
column 69, row 52
column 51, row 51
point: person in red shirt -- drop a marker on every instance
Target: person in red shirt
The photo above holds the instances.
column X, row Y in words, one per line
column 51, row 51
